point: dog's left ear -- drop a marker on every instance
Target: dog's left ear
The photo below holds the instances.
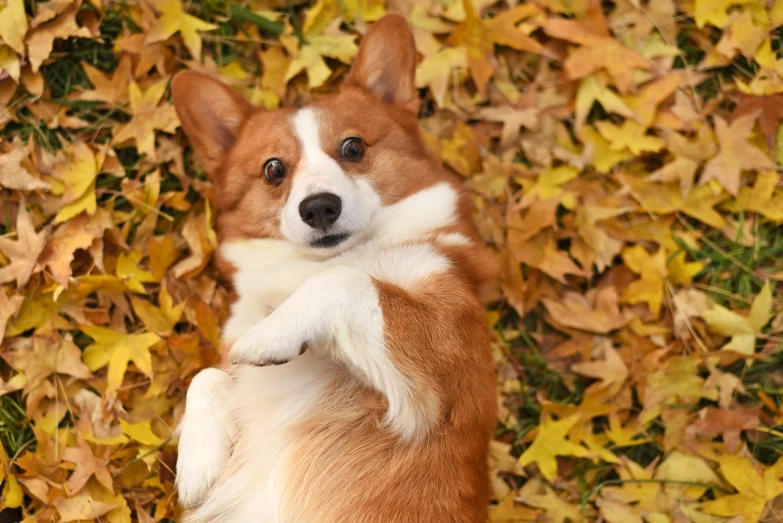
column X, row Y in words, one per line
column 386, row 63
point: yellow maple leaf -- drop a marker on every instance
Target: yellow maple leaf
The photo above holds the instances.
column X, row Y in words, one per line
column 550, row 442
column 630, row 135
column 715, row 12
column 311, row 57
column 652, row 269
column 479, row 38
column 667, row 199
column 743, row 330
column 603, row 156
column 754, row 489
column 437, row 70
column 117, row 349
column 539, row 495
column 9, row 62
column 147, row 117
column 128, row 270
column 78, row 179
column 13, row 25
column 13, row 495
column 592, row 90
column 682, row 271
column 761, row 198
column 140, row 431
column 173, row 19
column 276, row 65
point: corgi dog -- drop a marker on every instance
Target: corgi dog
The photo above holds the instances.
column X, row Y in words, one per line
column 359, row 384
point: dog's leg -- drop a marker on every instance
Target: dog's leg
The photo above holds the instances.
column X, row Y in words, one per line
column 339, row 311
column 206, row 436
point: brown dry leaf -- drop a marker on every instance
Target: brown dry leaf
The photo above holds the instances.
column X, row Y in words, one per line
column 769, row 109
column 9, row 306
column 81, row 507
column 611, row 371
column 479, row 38
column 736, row 154
column 112, row 89
column 728, row 423
column 598, row 52
column 40, row 40
column 14, row 176
column 512, row 120
column 87, row 466
column 79, row 233
column 46, row 356
column 600, row 315
column 22, row 252
column 545, row 256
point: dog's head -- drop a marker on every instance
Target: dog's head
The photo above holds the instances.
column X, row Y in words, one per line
column 313, row 176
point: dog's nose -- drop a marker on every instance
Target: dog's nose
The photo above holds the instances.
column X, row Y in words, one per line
column 319, row 211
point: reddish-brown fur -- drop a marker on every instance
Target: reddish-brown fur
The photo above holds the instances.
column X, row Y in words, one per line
column 347, row 466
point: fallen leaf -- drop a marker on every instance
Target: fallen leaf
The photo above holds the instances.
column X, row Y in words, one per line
column 175, row 19
column 735, row 155
column 602, row 316
column 14, row 176
column 754, row 489
column 24, row 251
column 479, row 38
column 81, row 507
column 40, row 40
column 13, row 25
column 147, row 117
column 87, row 466
column 117, row 350
column 550, row 442
column 598, row 52
column 728, row 423
column 742, row 329
column 652, row 269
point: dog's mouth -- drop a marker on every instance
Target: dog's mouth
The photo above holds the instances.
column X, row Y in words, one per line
column 329, row 241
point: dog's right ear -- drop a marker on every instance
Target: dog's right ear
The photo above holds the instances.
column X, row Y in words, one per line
column 211, row 114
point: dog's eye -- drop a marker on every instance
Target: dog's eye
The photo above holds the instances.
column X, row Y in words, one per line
column 352, row 149
column 274, row 171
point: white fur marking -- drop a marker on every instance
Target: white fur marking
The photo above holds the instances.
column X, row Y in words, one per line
column 337, row 312
column 205, row 438
column 316, row 173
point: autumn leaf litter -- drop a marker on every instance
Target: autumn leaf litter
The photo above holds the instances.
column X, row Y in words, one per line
column 624, row 162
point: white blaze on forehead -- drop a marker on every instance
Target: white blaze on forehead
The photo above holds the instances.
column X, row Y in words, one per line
column 306, row 126
column 317, row 172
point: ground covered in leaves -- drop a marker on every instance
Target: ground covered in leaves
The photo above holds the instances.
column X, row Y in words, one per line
column 624, row 158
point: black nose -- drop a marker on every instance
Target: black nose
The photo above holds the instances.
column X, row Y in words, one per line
column 319, row 211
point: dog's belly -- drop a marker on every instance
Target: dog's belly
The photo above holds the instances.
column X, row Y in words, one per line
column 267, row 403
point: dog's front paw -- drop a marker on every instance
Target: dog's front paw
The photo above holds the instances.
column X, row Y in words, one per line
column 269, row 342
